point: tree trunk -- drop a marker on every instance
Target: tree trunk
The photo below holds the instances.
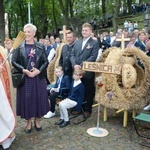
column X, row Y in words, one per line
column 16, row 29
column 115, row 15
column 22, row 13
column 103, row 9
column 2, row 24
column 54, row 16
column 9, row 25
column 44, row 21
column 129, row 4
column 71, row 8
column 64, row 8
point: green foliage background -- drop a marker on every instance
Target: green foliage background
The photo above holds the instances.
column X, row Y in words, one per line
column 50, row 15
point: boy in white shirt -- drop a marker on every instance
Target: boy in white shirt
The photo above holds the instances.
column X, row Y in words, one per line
column 75, row 98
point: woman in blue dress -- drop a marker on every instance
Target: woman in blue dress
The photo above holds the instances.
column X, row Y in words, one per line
column 32, row 99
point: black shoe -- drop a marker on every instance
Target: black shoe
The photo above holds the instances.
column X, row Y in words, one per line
column 65, row 123
column 87, row 114
column 28, row 131
column 37, row 128
column 59, row 122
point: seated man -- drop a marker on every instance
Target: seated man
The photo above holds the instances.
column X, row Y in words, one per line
column 62, row 81
column 76, row 97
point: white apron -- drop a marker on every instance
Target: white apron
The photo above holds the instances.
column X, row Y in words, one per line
column 7, row 119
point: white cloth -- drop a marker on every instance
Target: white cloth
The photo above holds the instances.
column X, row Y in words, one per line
column 84, row 42
column 6, row 144
column 112, row 40
column 51, row 55
column 63, row 106
column 99, row 54
column 135, row 25
column 75, row 83
column 126, row 24
column 7, row 119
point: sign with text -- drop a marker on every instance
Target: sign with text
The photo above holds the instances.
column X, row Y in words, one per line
column 101, row 67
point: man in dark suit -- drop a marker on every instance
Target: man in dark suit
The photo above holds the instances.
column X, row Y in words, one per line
column 65, row 55
column 86, row 50
column 62, row 81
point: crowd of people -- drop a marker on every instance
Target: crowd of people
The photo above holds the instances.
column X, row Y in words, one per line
column 138, row 38
column 136, row 8
column 107, row 21
column 32, row 57
column 129, row 26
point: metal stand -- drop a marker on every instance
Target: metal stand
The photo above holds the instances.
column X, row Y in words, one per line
column 97, row 131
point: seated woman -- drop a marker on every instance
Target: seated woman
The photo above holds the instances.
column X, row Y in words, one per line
column 76, row 97
column 62, row 81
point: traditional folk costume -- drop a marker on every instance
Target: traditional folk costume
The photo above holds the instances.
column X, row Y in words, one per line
column 7, row 118
column 65, row 59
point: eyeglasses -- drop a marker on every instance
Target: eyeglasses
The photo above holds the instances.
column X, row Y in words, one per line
column 76, row 74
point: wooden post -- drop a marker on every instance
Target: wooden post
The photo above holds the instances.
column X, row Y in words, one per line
column 125, row 118
column 133, row 113
column 118, row 111
column 64, row 32
column 114, row 112
column 123, row 40
column 105, row 114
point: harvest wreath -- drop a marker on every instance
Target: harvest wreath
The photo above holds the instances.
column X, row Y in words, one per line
column 130, row 89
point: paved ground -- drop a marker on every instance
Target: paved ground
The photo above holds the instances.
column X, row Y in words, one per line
column 75, row 137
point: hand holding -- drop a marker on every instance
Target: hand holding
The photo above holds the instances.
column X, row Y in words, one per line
column 27, row 72
column 77, row 67
column 35, row 72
